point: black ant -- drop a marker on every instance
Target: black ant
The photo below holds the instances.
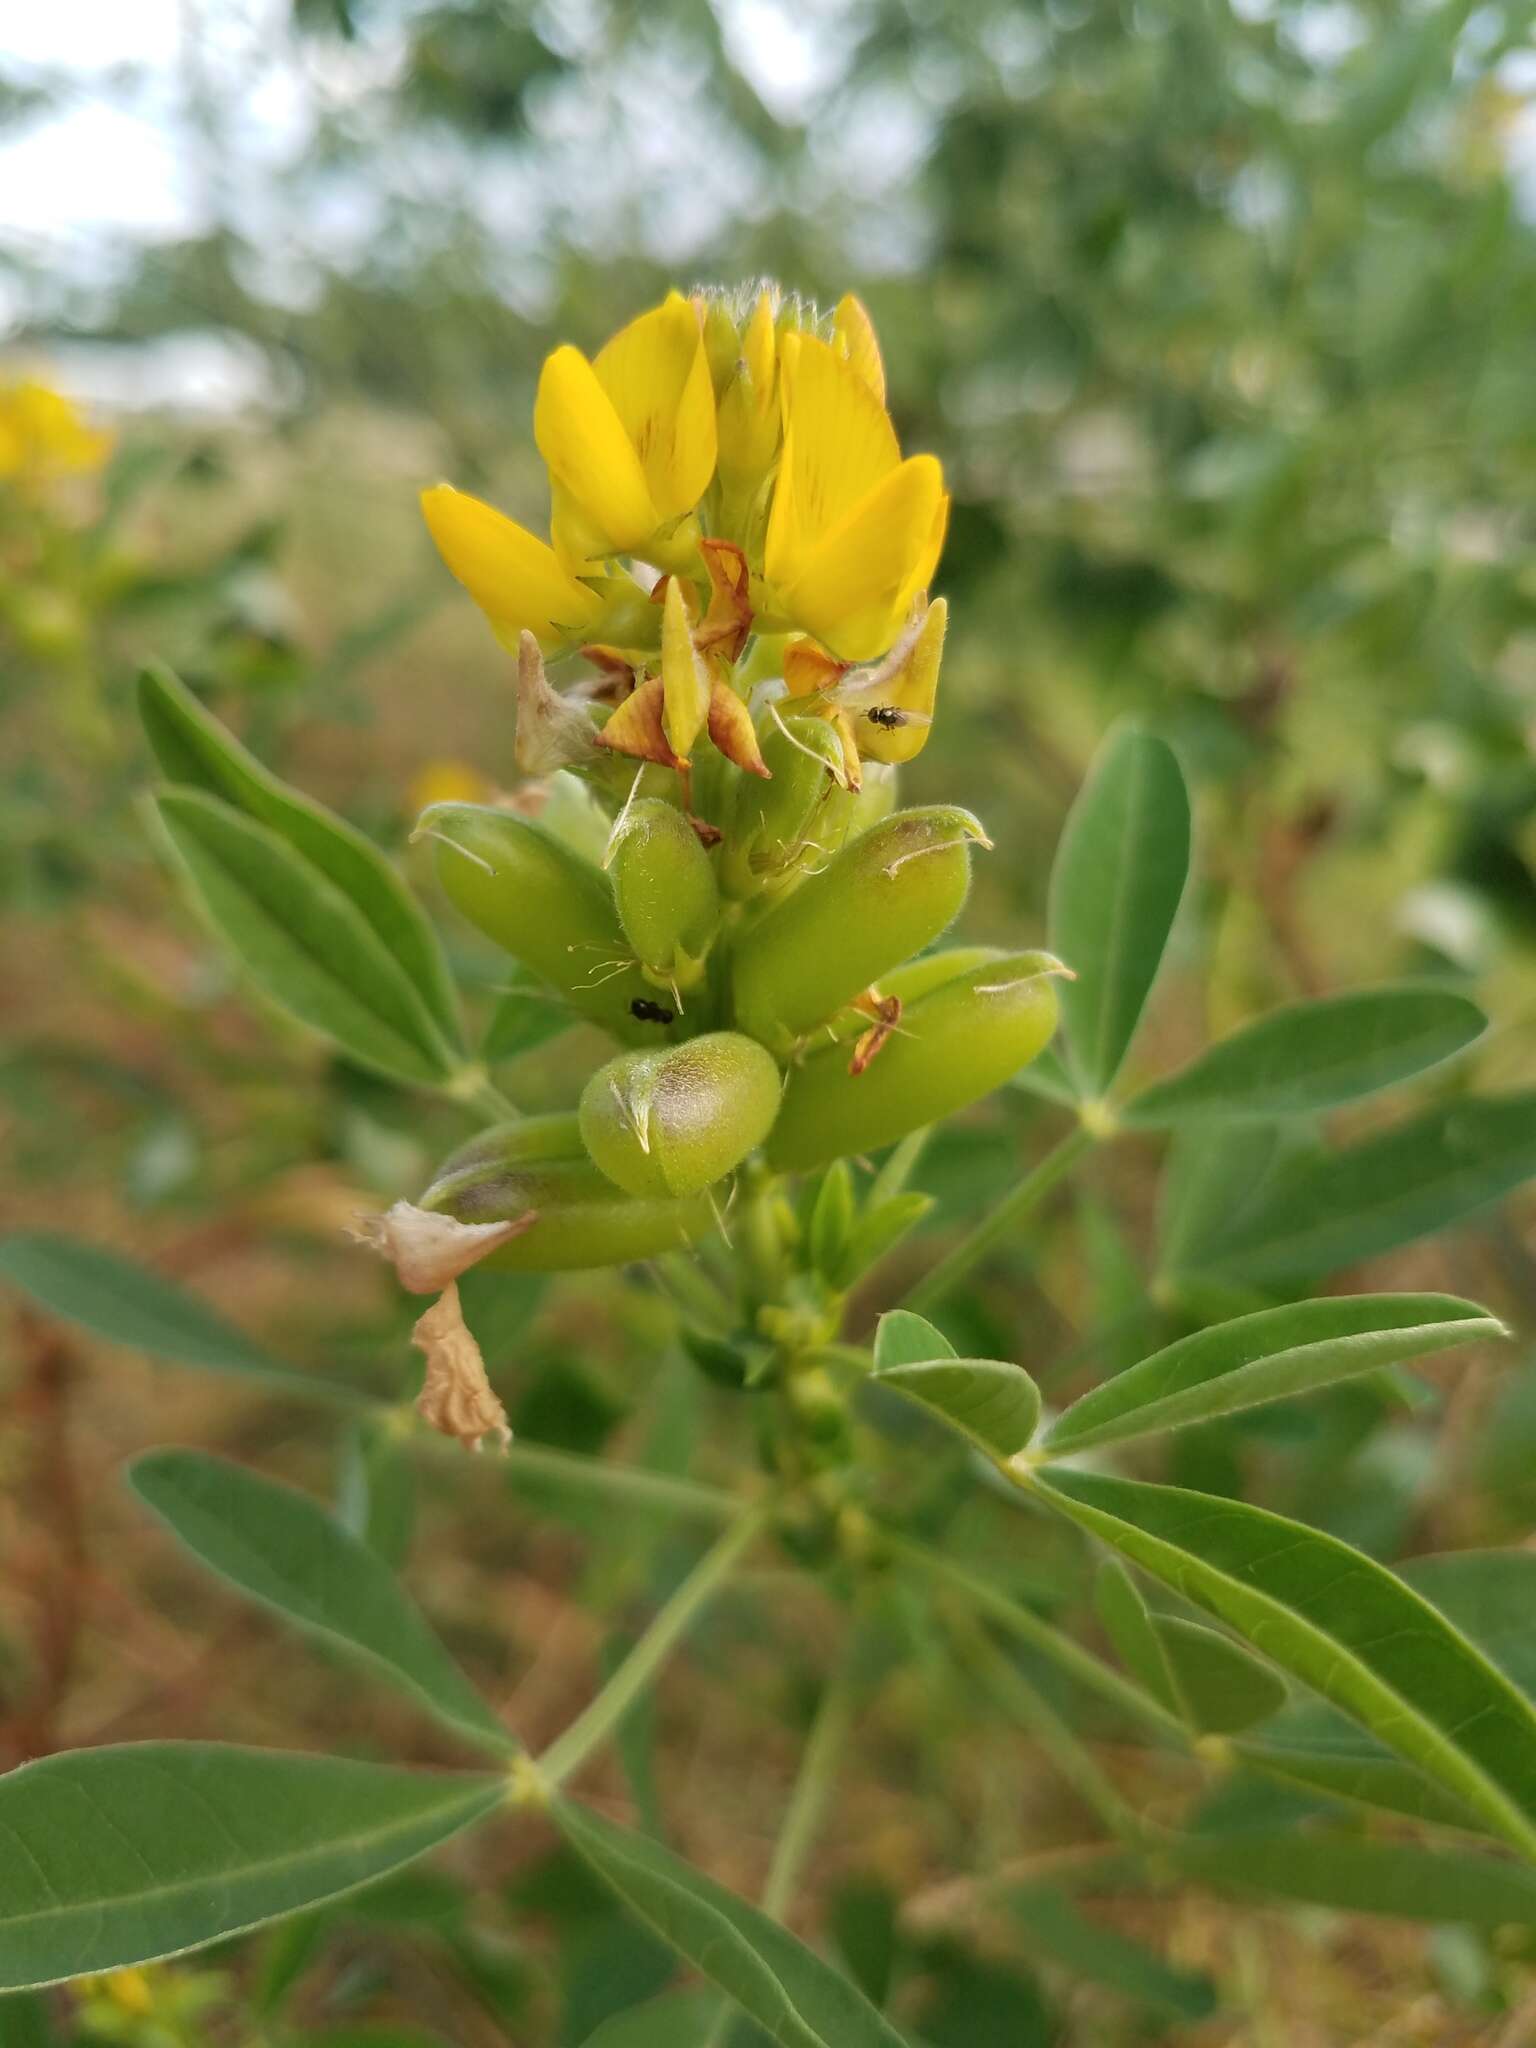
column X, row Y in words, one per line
column 650, row 1013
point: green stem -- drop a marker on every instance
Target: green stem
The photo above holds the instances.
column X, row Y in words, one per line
column 933, row 1288
column 592, row 1727
column 1050, row 1642
column 622, row 1482
column 813, row 1785
column 1074, row 1761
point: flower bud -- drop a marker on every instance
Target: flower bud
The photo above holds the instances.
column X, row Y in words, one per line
column 673, row 1120
column 580, row 1218
column 547, row 906
column 665, row 890
column 954, row 1045
column 794, row 820
column 883, row 898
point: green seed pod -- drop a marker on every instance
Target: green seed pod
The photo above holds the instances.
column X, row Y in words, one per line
column 884, row 897
column 916, row 979
column 582, row 1218
column 547, row 906
column 665, row 890
column 780, row 827
column 877, row 799
column 672, row 1120
column 518, row 1142
column 955, row 1045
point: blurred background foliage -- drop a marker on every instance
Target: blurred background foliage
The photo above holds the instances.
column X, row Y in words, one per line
column 1220, row 318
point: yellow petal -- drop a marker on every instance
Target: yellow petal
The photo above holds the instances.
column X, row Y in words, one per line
column 655, row 374
column 855, row 334
column 853, row 591
column 906, row 683
column 589, row 452
column 685, row 687
column 838, row 445
column 516, row 579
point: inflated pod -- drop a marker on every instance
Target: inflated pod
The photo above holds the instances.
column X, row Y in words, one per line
column 518, row 1142
column 883, row 898
column 581, row 1218
column 791, row 821
column 545, row 904
column 955, row 1044
column 664, row 888
column 673, row 1120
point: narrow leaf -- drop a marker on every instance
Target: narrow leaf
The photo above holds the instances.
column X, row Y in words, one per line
column 123, row 1855
column 1128, row 1623
column 1312, row 1056
column 1115, row 887
column 283, row 1549
column 996, row 1405
column 1335, row 1208
column 194, row 749
column 1313, row 1746
column 306, row 946
column 1392, row 1878
column 1490, row 1595
column 800, row 2000
column 1338, row 1621
column 1056, row 1933
column 113, row 1298
column 1266, row 1357
column 1220, row 1686
column 527, row 1016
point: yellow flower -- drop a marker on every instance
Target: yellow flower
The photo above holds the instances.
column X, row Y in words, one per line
column 517, row 580
column 43, row 434
column 855, row 532
column 629, row 438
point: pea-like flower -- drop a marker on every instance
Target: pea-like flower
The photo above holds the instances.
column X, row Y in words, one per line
column 44, row 435
column 629, row 439
column 855, row 531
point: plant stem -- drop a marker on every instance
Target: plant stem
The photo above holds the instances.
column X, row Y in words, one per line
column 807, row 1802
column 932, row 1289
column 622, row 1482
column 1070, row 1756
column 1029, row 1628
column 591, row 1728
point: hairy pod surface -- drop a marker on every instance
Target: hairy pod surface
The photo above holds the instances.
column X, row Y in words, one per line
column 582, row 1218
column 548, row 907
column 884, row 897
column 778, row 827
column 665, row 890
column 674, row 1120
column 955, row 1044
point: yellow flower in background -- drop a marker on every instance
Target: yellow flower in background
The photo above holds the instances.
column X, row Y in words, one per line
column 517, row 580
column 44, row 435
column 855, row 532
column 446, row 781
column 629, row 438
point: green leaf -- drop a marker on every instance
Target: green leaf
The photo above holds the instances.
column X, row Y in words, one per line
column 1313, row 1056
column 113, row 1298
column 1220, row 1686
column 283, row 1549
column 1339, row 1870
column 127, row 1854
column 193, row 749
column 1115, row 887
column 678, row 2019
column 528, row 1015
column 1313, row 1746
column 1338, row 1621
column 879, row 1230
column 1055, row 1932
column 1335, row 1208
column 1490, row 1595
column 306, row 946
column 996, row 1405
column 1268, row 1356
column 902, row 1338
column 1128, row 1624
column 775, row 1979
